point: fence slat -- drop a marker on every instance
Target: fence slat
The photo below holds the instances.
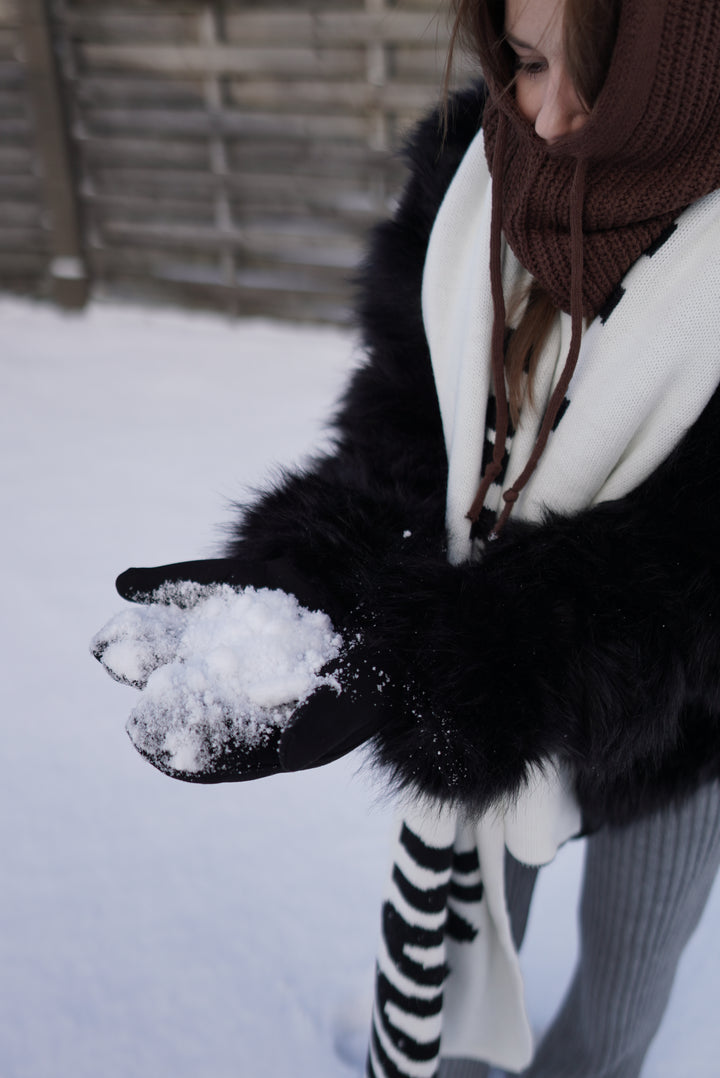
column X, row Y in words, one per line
column 223, row 59
column 321, row 29
column 67, row 269
column 261, row 93
column 331, row 28
column 9, row 15
column 225, row 122
column 248, row 195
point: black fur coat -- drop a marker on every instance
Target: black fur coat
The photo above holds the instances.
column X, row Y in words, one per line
column 595, row 638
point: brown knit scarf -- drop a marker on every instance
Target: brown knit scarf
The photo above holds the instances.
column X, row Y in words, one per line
column 578, row 213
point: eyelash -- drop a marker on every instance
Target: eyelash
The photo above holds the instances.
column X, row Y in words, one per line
column 530, row 68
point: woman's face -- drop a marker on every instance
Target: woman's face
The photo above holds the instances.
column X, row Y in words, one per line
column 544, row 91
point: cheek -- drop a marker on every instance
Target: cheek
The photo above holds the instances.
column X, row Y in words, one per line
column 527, row 97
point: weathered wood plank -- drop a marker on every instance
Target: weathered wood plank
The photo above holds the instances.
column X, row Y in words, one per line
column 21, row 264
column 16, row 159
column 243, row 301
column 191, row 267
column 429, row 64
column 342, row 192
column 132, row 151
column 67, row 268
column 15, row 129
column 9, row 14
column 136, row 91
column 130, row 26
column 317, row 29
column 360, row 95
column 249, row 197
column 260, row 288
column 12, row 74
column 285, row 241
column 313, row 157
column 190, row 7
column 22, row 214
column 333, row 28
column 17, row 237
column 224, row 60
column 344, row 170
column 12, row 103
column 9, row 43
column 225, row 122
column 257, row 93
column 19, row 186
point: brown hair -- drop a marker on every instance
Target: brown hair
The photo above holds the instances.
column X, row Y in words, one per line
column 590, row 30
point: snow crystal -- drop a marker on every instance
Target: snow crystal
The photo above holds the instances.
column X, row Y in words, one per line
column 220, row 670
column 138, row 640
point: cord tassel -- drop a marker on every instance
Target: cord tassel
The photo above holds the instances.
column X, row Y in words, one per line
column 494, row 467
column 577, row 195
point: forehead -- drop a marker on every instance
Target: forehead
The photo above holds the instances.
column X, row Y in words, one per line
column 537, row 23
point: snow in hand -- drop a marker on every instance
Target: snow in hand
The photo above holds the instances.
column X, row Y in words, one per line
column 220, row 670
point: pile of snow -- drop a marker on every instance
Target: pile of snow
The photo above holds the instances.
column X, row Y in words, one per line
column 220, row 670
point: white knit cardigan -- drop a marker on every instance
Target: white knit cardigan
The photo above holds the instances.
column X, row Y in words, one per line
column 642, row 379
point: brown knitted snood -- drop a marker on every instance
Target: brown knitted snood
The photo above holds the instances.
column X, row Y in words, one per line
column 577, row 213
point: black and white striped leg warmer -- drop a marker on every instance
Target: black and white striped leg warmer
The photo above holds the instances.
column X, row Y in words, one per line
column 411, row 970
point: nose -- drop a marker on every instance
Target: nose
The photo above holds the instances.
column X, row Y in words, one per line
column 561, row 111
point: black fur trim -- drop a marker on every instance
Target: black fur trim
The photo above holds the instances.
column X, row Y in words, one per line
column 594, row 638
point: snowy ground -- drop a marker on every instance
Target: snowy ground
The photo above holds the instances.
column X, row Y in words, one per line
column 147, row 927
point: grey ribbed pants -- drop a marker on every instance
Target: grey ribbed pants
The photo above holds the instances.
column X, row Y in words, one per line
column 645, row 887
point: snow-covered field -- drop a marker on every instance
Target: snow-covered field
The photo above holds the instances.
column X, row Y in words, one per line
column 151, row 928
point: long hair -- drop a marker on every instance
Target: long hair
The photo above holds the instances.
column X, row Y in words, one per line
column 589, row 31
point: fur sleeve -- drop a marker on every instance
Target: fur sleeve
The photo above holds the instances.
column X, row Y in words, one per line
column 382, row 490
column 594, row 638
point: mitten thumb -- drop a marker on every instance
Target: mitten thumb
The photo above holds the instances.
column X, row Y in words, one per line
column 339, row 716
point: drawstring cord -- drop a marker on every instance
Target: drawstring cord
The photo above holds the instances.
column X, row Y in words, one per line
column 494, row 468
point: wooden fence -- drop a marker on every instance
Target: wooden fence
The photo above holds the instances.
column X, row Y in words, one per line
column 208, row 152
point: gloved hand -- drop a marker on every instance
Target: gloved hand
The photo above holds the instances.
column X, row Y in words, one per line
column 149, row 585
column 187, row 724
column 176, row 587
column 340, row 715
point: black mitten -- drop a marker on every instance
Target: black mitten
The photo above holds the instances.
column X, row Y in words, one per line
column 341, row 714
column 194, row 721
column 216, row 755
column 148, row 585
column 223, row 759
column 347, row 709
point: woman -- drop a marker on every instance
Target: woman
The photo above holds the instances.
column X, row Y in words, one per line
column 540, row 321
